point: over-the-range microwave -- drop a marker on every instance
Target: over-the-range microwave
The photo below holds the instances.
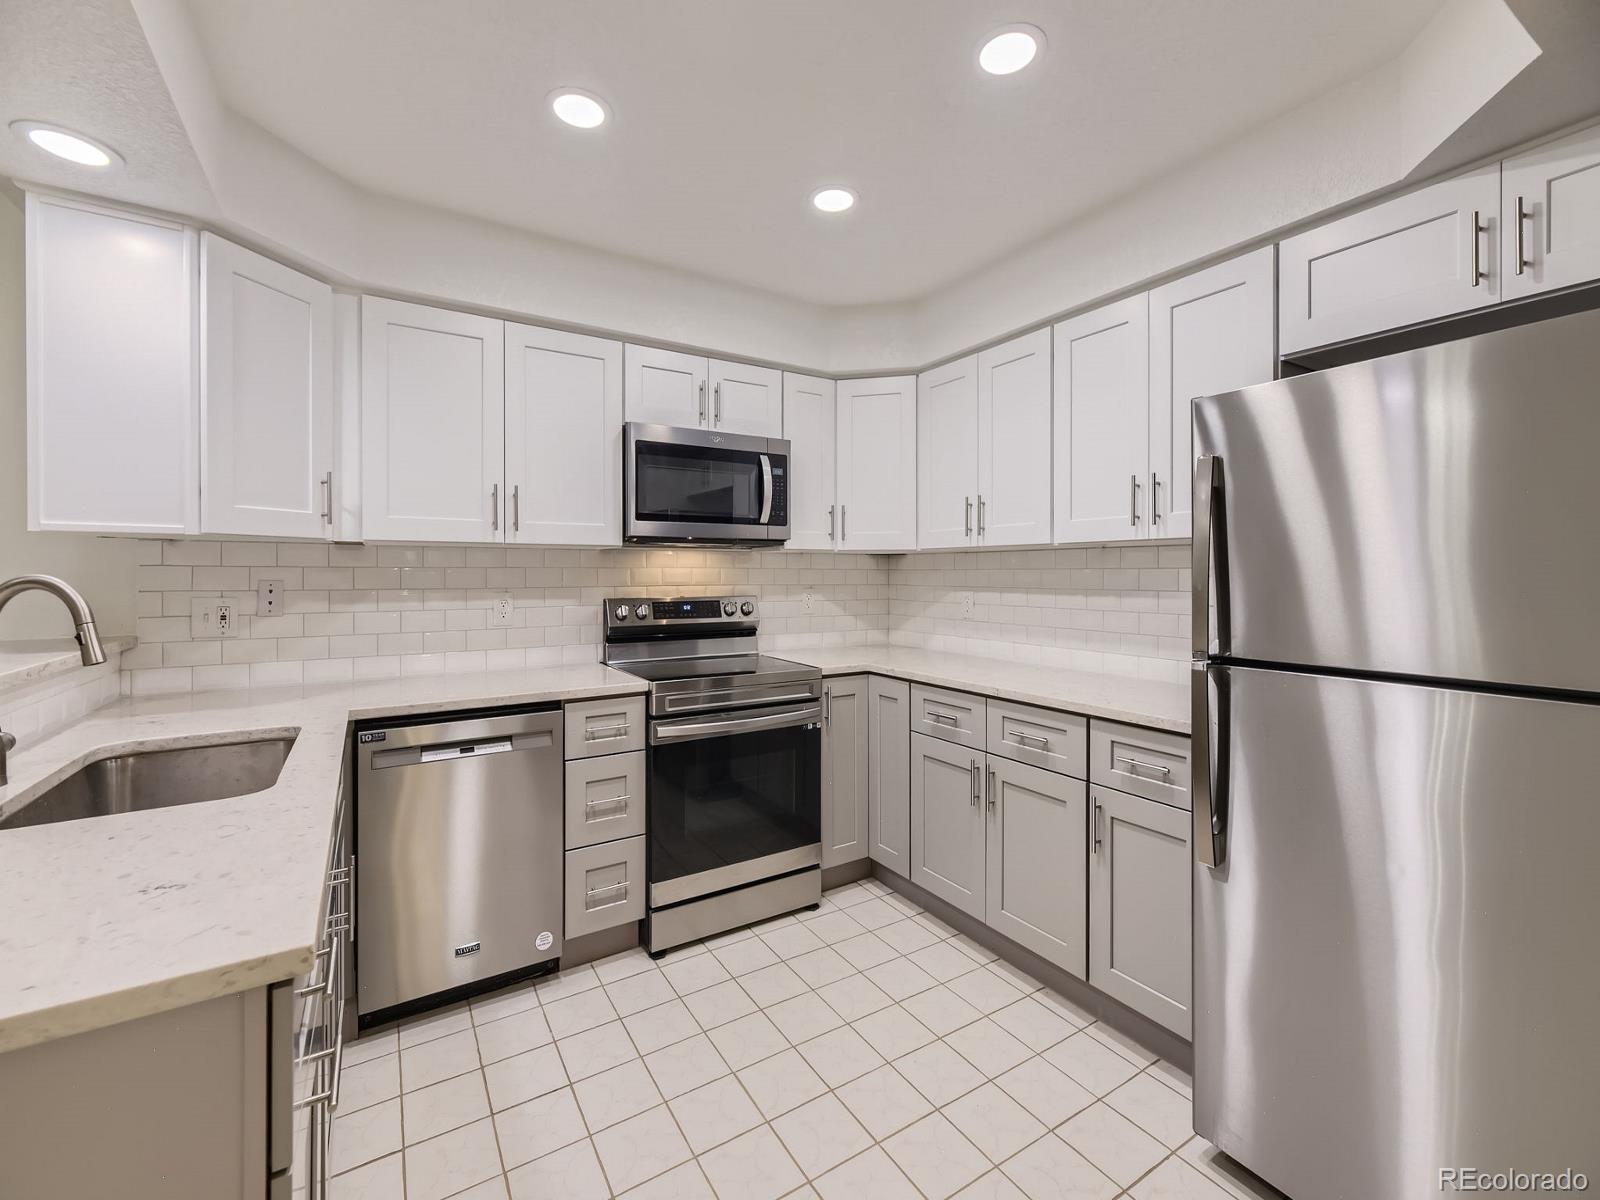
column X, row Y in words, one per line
column 701, row 487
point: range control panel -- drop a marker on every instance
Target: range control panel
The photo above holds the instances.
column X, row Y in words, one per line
column 681, row 611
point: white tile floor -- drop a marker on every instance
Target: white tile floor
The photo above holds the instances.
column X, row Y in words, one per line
column 860, row 1051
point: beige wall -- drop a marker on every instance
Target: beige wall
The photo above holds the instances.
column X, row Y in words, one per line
column 101, row 568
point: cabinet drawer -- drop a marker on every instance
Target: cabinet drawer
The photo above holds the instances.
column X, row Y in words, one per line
column 1052, row 740
column 611, row 726
column 950, row 716
column 1145, row 762
column 605, row 798
column 605, row 886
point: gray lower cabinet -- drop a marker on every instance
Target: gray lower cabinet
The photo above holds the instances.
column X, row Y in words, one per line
column 844, row 770
column 604, row 886
column 604, row 798
column 1139, row 886
column 889, row 771
column 947, row 822
column 1037, row 878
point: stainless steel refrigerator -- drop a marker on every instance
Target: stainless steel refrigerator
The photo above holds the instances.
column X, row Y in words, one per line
column 1397, row 767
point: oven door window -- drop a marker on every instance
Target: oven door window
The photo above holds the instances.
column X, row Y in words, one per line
column 697, row 484
column 722, row 800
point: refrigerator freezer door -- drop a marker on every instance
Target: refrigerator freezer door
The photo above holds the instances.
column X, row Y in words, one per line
column 1397, row 963
column 1422, row 514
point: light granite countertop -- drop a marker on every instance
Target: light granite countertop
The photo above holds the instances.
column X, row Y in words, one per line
column 23, row 663
column 1146, row 702
column 116, row 917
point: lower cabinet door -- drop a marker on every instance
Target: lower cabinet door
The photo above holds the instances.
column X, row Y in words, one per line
column 605, row 886
column 844, row 770
column 1038, row 873
column 1139, row 934
column 947, row 822
column 889, row 773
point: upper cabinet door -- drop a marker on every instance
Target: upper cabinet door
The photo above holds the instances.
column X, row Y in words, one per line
column 877, row 463
column 1551, row 216
column 266, row 396
column 563, row 438
column 746, row 399
column 808, row 423
column 1424, row 255
column 1102, row 400
column 947, row 454
column 112, row 399
column 432, row 424
column 664, row 387
column 1014, row 442
column 1210, row 332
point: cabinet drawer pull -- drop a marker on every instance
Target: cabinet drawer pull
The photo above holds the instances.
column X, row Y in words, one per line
column 591, row 893
column 607, row 733
column 942, row 718
column 589, row 805
column 1025, row 740
column 1138, row 764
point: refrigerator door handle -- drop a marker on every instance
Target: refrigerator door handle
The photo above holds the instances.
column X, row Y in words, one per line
column 1209, row 778
column 1210, row 544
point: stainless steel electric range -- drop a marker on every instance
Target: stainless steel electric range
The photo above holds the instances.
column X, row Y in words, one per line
column 734, row 757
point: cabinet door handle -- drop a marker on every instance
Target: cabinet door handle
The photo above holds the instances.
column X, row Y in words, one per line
column 1133, row 500
column 1099, row 812
column 969, row 516
column 832, row 535
column 516, row 507
column 494, row 508
column 1524, row 216
column 1155, row 498
column 991, row 792
column 716, row 411
column 827, row 706
column 1478, row 275
column 327, row 497
column 702, row 409
column 976, row 786
column 843, row 510
column 981, row 524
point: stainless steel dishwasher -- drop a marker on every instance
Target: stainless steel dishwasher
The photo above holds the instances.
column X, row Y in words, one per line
column 458, row 855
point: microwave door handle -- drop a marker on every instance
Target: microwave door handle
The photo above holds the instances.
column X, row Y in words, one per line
column 766, row 489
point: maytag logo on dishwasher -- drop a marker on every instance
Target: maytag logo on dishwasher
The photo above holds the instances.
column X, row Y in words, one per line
column 469, row 948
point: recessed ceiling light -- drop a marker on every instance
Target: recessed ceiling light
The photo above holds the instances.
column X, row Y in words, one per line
column 582, row 109
column 833, row 200
column 1010, row 49
column 63, row 143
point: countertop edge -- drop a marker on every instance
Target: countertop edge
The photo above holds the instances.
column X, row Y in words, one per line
column 53, row 658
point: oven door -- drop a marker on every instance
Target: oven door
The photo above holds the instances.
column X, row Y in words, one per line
column 693, row 485
column 733, row 799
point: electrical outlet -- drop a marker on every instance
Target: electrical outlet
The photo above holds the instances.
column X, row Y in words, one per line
column 212, row 617
column 966, row 606
column 500, row 612
column 808, row 602
column 269, row 597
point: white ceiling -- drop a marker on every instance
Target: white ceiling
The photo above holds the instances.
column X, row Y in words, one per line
column 729, row 113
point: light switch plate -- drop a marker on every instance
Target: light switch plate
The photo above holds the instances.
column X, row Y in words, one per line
column 212, row 617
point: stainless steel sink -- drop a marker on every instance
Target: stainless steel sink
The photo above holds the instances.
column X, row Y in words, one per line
column 157, row 779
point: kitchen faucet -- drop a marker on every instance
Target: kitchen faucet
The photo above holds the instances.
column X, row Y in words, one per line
column 88, row 639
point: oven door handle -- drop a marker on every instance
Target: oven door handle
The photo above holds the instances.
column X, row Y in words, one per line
column 688, row 729
column 766, row 490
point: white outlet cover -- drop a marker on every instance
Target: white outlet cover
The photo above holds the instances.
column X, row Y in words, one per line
column 213, row 617
column 807, row 602
column 966, row 605
column 500, row 612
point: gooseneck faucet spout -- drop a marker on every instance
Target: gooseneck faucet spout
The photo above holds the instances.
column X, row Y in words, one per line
column 88, row 639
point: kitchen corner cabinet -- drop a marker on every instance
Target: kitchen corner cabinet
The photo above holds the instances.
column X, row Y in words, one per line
column 947, row 455
column 432, row 424
column 809, row 426
column 1550, row 216
column 1431, row 253
column 1037, row 877
column 845, row 734
column 266, row 396
column 877, row 464
column 889, row 767
column 948, row 852
column 1014, row 414
column 1212, row 331
column 563, row 438
column 113, row 420
column 1139, row 883
column 1101, row 426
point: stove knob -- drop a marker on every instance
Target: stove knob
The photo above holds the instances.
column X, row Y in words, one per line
column 729, row 608
column 747, row 608
column 642, row 611
column 620, row 612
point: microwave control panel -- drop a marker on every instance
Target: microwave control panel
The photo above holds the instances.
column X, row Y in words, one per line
column 780, row 491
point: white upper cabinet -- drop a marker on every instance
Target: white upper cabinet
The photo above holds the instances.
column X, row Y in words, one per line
column 808, row 424
column 665, row 387
column 432, row 424
column 1550, row 216
column 112, row 396
column 947, row 454
column 746, row 399
column 1210, row 332
column 1424, row 255
column 877, row 463
column 1102, row 401
column 563, row 438
column 1014, row 475
column 266, row 396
